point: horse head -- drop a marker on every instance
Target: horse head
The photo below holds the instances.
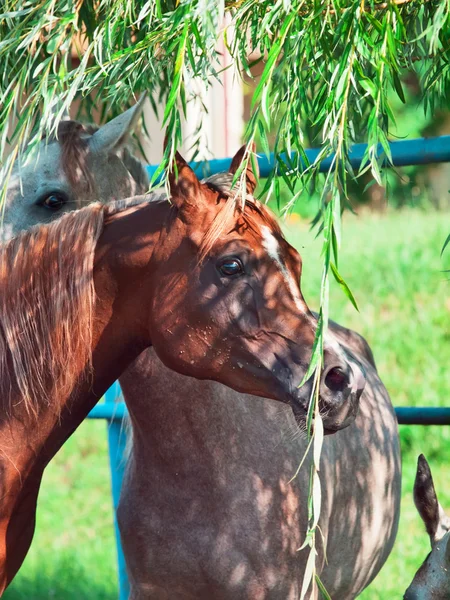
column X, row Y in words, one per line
column 81, row 164
column 239, row 316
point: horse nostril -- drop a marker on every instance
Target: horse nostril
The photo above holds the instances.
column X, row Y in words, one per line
column 336, row 379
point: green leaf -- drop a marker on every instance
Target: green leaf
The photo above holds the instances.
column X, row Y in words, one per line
column 322, row 589
column 272, row 58
column 265, row 97
column 144, row 11
column 369, row 86
column 263, row 138
column 315, row 357
column 267, row 73
column 309, row 538
column 295, row 475
column 343, row 286
column 318, row 439
column 398, row 86
column 309, row 573
column 177, row 73
column 41, row 66
column 447, row 241
column 335, row 244
column 316, row 498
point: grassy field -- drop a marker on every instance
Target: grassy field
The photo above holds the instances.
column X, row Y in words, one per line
column 393, row 267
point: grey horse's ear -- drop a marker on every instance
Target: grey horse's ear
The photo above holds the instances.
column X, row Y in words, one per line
column 113, row 135
column 55, row 110
column 426, row 501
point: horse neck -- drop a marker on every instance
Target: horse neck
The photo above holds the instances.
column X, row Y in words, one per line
column 117, row 335
column 27, row 447
column 27, row 443
column 197, row 428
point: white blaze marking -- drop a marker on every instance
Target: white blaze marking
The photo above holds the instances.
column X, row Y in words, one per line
column 272, row 247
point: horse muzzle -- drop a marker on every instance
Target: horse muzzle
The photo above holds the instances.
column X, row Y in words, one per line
column 341, row 386
column 340, row 391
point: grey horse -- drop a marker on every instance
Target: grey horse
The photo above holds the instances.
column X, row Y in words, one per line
column 432, row 580
column 208, row 508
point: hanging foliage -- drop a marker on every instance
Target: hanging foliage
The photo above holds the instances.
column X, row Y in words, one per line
column 328, row 65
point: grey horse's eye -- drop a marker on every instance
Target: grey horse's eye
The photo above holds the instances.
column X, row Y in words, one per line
column 230, row 266
column 54, row 201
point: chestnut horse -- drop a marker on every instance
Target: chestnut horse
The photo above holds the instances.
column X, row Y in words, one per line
column 209, row 283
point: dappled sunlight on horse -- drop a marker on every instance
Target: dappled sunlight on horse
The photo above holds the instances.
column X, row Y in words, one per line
column 96, row 309
column 208, row 506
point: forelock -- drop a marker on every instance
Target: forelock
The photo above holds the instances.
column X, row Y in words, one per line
column 73, row 138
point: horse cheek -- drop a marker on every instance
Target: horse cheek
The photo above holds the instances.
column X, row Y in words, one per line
column 243, row 311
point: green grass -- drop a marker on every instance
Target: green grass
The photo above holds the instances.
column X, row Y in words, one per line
column 393, row 267
column 73, row 555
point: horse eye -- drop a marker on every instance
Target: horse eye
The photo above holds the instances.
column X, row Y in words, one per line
column 53, row 201
column 231, row 266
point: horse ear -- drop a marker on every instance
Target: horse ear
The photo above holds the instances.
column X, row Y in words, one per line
column 426, row 501
column 113, row 135
column 250, row 175
column 65, row 114
column 185, row 188
column 55, row 108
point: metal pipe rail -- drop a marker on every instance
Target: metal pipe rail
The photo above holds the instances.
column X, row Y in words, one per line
column 404, row 153
column 406, row 415
column 420, row 151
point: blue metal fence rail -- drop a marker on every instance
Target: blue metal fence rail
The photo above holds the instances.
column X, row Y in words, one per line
column 404, row 153
column 406, row 415
column 420, row 151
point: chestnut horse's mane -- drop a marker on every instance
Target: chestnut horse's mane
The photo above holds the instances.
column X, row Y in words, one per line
column 222, row 184
column 47, row 299
column 46, row 308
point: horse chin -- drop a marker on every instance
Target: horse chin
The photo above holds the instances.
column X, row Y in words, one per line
column 329, row 428
column 333, row 419
column 327, row 431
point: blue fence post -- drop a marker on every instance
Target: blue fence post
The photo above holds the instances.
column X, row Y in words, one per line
column 117, row 443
